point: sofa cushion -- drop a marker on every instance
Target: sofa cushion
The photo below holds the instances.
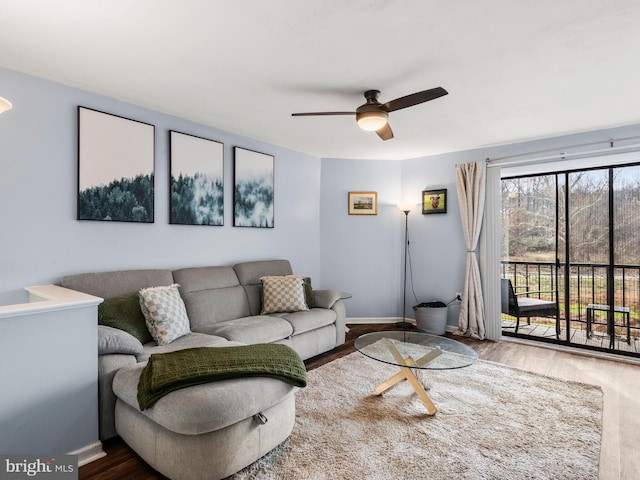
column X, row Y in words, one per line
column 256, row 329
column 124, row 312
column 113, row 340
column 190, row 340
column 309, row 320
column 165, row 313
column 211, row 294
column 204, row 408
column 249, row 273
column 114, row 284
column 282, row 294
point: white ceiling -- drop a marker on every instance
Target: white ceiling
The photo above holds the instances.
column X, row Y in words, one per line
column 515, row 69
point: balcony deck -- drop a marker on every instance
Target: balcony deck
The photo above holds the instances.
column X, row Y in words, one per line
column 587, row 289
column 547, row 330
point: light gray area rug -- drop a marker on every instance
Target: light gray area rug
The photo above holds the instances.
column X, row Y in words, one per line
column 494, row 422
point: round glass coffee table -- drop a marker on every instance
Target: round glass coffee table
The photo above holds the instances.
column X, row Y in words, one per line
column 409, row 350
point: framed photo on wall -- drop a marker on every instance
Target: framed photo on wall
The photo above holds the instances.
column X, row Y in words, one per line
column 434, row 201
column 115, row 168
column 253, row 190
column 197, row 180
column 363, row 203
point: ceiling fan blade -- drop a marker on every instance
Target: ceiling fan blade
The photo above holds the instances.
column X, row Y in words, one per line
column 309, row 114
column 385, row 133
column 414, row 99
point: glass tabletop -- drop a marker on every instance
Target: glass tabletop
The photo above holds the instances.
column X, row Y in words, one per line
column 427, row 351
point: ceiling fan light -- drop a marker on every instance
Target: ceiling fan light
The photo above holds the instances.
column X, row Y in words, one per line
column 371, row 121
column 4, row 105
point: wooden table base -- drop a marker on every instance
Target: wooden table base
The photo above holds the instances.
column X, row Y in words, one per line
column 405, row 373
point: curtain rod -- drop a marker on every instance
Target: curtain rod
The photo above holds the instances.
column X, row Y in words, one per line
column 498, row 161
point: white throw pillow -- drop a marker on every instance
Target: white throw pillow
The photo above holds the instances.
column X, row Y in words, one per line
column 283, row 294
column 164, row 313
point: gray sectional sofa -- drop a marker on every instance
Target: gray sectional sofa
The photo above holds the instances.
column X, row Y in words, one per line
column 211, row 430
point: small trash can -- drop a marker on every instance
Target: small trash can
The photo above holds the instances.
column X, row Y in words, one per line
column 431, row 317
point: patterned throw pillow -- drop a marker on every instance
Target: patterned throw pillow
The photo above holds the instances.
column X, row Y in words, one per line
column 282, row 294
column 165, row 313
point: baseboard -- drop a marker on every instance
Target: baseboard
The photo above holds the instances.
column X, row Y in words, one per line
column 89, row 453
column 377, row 320
column 366, row 320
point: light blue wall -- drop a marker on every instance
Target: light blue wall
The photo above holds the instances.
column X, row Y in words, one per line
column 361, row 254
column 41, row 240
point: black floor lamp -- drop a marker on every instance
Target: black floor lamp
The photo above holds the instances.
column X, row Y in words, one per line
column 406, row 208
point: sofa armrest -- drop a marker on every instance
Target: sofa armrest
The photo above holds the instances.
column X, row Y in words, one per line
column 112, row 340
column 326, row 298
column 332, row 300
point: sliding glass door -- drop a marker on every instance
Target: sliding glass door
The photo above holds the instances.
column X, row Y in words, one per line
column 530, row 247
column 574, row 237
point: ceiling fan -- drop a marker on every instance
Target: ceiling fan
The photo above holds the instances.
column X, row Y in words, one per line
column 373, row 115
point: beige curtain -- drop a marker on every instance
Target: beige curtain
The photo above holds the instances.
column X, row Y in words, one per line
column 471, row 180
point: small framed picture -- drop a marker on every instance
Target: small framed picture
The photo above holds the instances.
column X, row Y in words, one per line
column 363, row 203
column 434, row 201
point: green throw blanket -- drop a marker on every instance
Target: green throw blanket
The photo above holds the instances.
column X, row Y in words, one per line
column 167, row 372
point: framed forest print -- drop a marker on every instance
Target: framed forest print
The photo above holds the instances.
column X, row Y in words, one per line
column 197, row 180
column 115, row 168
column 253, row 189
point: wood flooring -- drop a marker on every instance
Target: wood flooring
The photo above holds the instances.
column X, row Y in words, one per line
column 620, row 381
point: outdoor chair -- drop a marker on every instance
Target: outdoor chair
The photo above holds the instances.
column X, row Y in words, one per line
column 521, row 305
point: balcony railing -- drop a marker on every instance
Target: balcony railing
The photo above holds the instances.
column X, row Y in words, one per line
column 583, row 291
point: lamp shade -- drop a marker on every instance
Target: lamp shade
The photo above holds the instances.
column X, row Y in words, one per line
column 406, row 207
column 5, row 105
